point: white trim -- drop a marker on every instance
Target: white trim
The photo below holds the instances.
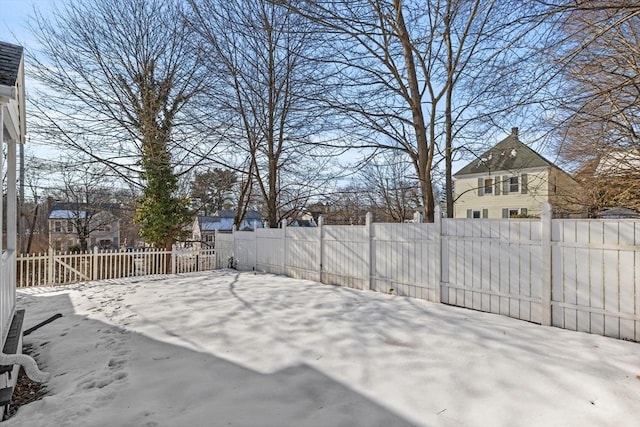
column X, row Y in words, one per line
column 505, row 172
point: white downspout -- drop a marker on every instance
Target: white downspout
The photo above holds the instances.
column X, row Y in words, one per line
column 28, row 363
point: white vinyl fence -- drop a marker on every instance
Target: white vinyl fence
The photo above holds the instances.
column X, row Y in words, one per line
column 576, row 274
column 54, row 268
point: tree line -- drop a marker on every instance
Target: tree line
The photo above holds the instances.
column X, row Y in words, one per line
column 269, row 96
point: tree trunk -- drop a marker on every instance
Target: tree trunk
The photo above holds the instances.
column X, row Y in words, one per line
column 424, row 157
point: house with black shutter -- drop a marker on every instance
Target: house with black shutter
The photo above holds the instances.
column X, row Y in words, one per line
column 510, row 180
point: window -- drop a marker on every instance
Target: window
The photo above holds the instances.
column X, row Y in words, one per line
column 57, row 226
column 513, row 184
column 69, row 227
column 488, row 186
column 484, row 213
column 514, row 213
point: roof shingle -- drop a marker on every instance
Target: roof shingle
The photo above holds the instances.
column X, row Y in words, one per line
column 507, row 155
column 10, row 57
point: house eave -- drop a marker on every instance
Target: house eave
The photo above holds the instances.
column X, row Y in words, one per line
column 501, row 172
column 7, row 93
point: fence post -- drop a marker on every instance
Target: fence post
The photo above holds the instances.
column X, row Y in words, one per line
column 174, row 259
column 437, row 259
column 546, row 273
column 50, row 266
column 320, row 236
column 370, row 266
column 234, row 260
column 284, row 246
column 255, row 245
column 94, row 271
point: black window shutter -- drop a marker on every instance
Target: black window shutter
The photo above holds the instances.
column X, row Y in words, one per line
column 505, row 213
column 523, row 184
column 485, row 213
column 480, row 186
column 496, row 186
column 505, row 185
column 469, row 213
column 523, row 211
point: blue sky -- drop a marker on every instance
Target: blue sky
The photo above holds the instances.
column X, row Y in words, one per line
column 13, row 19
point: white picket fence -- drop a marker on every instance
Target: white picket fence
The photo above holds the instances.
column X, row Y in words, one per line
column 576, row 274
column 55, row 268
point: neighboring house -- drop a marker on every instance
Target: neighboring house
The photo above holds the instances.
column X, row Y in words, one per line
column 612, row 180
column 13, row 131
column 306, row 219
column 618, row 163
column 511, row 180
column 205, row 227
column 101, row 222
column 618, row 213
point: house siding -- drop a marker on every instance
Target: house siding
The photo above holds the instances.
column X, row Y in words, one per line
column 537, row 191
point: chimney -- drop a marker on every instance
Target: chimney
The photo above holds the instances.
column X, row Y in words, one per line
column 514, row 132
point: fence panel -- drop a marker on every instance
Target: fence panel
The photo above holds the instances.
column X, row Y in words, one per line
column 344, row 260
column 596, row 276
column 493, row 265
column 270, row 250
column 245, row 250
column 303, row 252
column 66, row 268
column 224, row 250
column 403, row 258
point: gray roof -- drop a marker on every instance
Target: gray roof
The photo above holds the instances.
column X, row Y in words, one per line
column 618, row 212
column 508, row 154
column 68, row 210
column 10, row 57
column 225, row 223
column 249, row 215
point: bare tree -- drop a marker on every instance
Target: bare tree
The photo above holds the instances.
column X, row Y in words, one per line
column 599, row 62
column 212, row 189
column 261, row 56
column 121, row 77
column 417, row 76
column 85, row 203
column 386, row 183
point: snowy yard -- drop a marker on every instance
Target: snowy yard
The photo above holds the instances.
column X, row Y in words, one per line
column 238, row 349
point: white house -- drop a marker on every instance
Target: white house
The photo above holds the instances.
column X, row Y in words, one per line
column 12, row 132
column 510, row 179
column 99, row 223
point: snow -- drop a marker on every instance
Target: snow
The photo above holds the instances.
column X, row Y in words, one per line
column 225, row 348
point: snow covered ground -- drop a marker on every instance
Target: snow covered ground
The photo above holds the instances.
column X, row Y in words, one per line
column 241, row 349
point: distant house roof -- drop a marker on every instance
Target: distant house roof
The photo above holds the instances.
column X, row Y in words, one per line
column 10, row 57
column 70, row 210
column 223, row 221
column 67, row 214
column 618, row 162
column 209, row 223
column 248, row 216
column 303, row 223
column 508, row 154
column 618, row 213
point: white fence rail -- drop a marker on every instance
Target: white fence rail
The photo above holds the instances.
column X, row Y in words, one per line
column 54, row 268
column 576, row 274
